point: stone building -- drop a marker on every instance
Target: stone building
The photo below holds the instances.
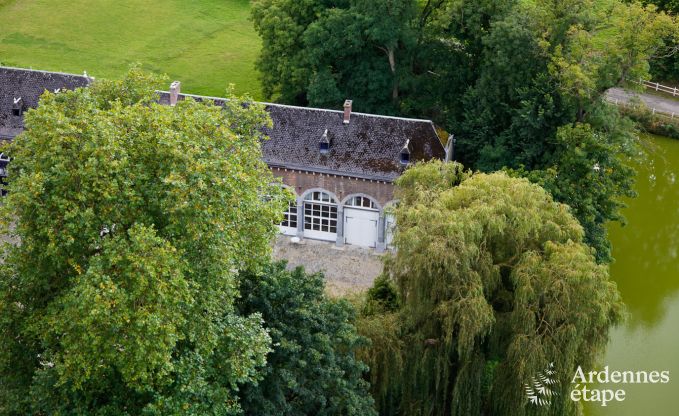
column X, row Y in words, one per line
column 341, row 164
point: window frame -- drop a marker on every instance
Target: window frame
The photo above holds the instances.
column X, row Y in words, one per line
column 321, row 215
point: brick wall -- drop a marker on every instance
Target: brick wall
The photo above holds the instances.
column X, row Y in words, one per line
column 339, row 185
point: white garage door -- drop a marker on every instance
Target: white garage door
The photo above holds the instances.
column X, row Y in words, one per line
column 361, row 219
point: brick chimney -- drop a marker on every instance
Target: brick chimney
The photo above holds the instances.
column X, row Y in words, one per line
column 175, row 87
column 347, row 111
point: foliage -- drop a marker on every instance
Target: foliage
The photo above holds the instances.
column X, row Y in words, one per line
column 312, row 369
column 665, row 67
column 395, row 54
column 385, row 357
column 315, row 50
column 495, row 283
column 650, row 122
column 505, row 76
column 132, row 219
column 381, row 297
column 578, row 50
column 670, row 6
column 590, row 170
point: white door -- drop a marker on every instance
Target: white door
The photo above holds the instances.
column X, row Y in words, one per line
column 360, row 227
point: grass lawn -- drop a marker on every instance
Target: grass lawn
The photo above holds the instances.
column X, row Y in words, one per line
column 206, row 44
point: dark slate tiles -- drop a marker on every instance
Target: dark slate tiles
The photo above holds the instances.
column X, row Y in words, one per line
column 368, row 147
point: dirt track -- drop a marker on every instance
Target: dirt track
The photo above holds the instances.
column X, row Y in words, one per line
column 661, row 104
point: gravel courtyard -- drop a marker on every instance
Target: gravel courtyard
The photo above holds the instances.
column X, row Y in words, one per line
column 347, row 269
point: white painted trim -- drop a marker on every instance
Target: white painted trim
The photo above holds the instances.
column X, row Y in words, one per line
column 310, row 190
column 348, row 197
column 320, row 235
column 288, row 230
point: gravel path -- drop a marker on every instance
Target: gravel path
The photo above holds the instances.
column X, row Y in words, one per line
column 347, row 269
column 661, row 104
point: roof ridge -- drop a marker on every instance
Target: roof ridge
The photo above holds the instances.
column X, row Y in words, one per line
column 45, row 71
column 419, row 120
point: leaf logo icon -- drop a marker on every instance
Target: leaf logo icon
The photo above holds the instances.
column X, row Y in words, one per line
column 541, row 388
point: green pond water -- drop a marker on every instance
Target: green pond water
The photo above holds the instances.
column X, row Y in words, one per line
column 647, row 273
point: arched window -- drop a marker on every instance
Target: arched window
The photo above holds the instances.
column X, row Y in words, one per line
column 320, row 215
column 361, row 202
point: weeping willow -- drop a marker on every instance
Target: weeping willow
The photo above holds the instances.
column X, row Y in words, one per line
column 495, row 283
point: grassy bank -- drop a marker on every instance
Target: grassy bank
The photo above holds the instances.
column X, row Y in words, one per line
column 206, row 44
column 658, row 124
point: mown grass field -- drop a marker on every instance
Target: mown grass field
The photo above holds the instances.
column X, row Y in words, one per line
column 206, row 44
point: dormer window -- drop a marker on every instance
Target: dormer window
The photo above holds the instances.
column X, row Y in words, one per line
column 405, row 153
column 4, row 160
column 18, row 107
column 324, row 144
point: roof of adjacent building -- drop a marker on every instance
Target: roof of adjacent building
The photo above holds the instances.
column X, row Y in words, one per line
column 29, row 85
column 369, row 147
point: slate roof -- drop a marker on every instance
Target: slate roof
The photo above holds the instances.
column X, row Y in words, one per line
column 29, row 85
column 368, row 147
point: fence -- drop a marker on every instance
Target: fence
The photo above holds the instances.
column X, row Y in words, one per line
column 654, row 111
column 659, row 87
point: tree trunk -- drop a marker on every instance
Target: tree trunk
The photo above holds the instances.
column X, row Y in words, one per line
column 392, row 65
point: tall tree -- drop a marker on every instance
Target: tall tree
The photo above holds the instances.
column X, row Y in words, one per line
column 670, row 6
column 133, row 219
column 320, row 52
column 665, row 67
column 494, row 283
column 312, row 369
column 578, row 50
column 503, row 76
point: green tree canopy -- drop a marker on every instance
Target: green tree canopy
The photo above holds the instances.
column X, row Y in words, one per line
column 504, row 76
column 318, row 51
column 671, row 6
column 132, row 220
column 312, row 369
column 665, row 67
column 494, row 283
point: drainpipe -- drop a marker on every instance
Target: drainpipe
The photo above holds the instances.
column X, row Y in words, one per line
column 300, row 217
column 381, row 246
column 339, row 242
column 450, row 149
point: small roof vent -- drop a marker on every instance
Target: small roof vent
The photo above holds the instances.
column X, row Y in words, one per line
column 18, row 107
column 405, row 153
column 347, row 111
column 324, row 143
